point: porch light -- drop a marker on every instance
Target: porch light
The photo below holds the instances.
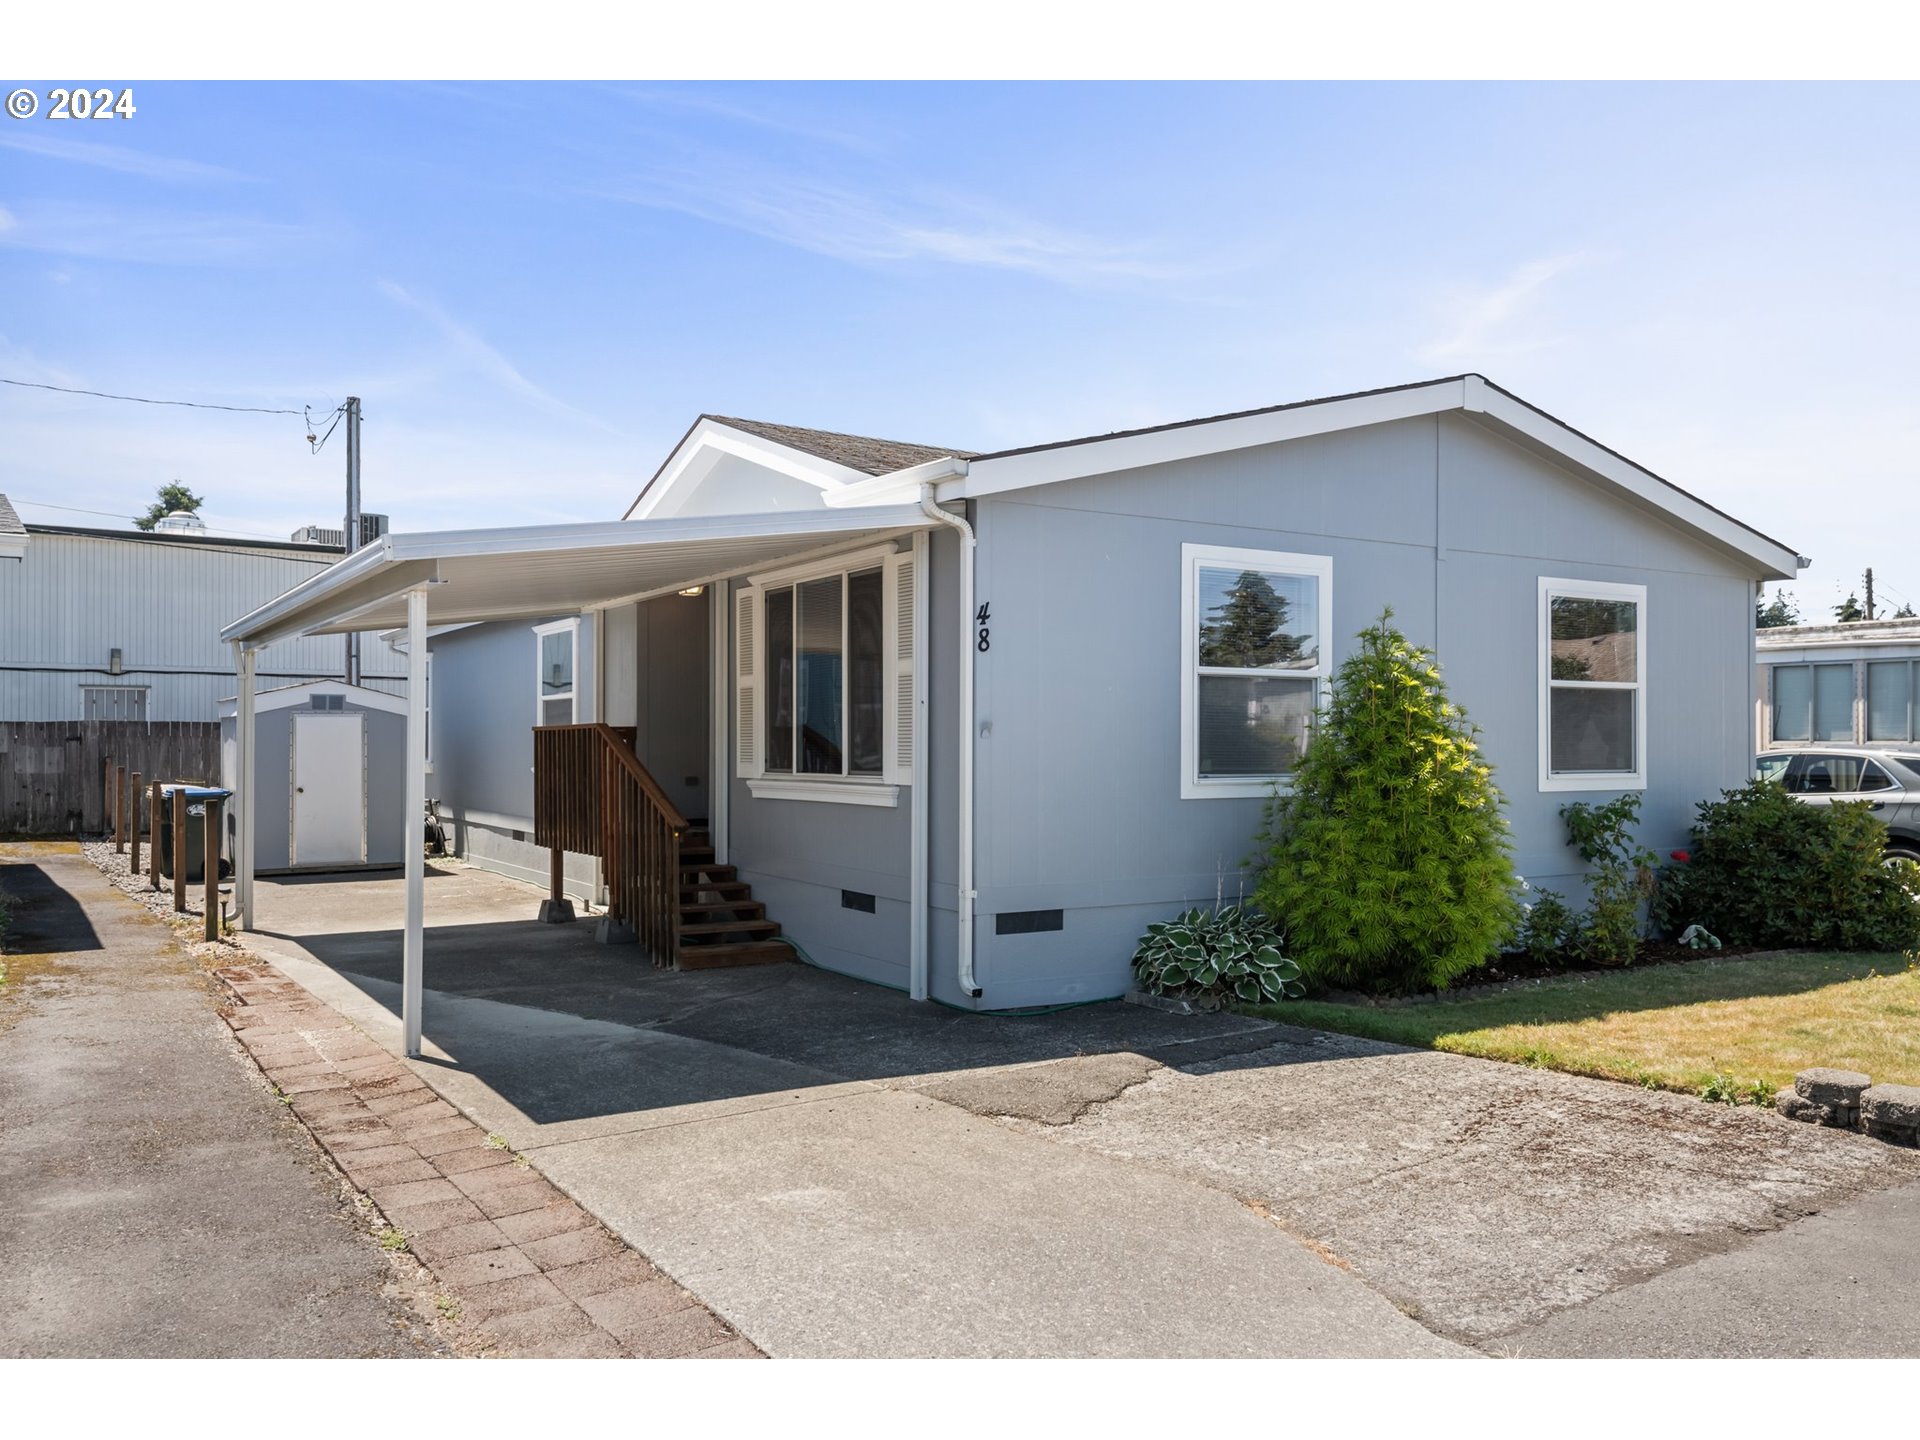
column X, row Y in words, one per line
column 696, row 590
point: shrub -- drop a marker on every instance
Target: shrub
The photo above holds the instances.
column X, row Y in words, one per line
column 1765, row 869
column 1549, row 926
column 1231, row 954
column 1622, row 875
column 1389, row 861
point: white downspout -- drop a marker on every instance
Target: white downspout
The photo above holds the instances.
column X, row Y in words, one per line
column 967, row 894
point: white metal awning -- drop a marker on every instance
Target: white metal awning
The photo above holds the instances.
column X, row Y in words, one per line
column 531, row 571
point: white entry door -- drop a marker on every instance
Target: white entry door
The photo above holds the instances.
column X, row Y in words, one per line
column 329, row 789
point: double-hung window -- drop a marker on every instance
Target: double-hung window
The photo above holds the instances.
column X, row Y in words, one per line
column 824, row 680
column 1593, row 685
column 557, row 660
column 1253, row 666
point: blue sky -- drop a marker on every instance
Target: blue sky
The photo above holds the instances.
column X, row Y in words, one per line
column 536, row 288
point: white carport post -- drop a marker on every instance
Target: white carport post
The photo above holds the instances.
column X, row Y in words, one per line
column 415, row 851
column 245, row 749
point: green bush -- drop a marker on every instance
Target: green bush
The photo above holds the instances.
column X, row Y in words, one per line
column 1232, row 954
column 1388, row 863
column 1548, row 927
column 1622, row 874
column 1767, row 870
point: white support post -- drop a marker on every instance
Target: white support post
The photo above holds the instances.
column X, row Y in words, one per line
column 918, row 907
column 719, row 717
column 414, row 946
column 246, row 753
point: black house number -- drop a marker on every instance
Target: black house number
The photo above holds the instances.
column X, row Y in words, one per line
column 980, row 619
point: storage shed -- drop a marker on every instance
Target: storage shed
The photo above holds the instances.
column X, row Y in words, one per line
column 330, row 778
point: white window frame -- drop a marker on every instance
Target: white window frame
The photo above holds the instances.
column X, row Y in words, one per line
column 135, row 696
column 1552, row 588
column 1318, row 568
column 540, row 695
column 880, row 790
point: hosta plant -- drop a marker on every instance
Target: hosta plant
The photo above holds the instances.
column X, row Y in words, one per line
column 1216, row 957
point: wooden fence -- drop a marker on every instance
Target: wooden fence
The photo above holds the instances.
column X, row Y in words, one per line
column 53, row 773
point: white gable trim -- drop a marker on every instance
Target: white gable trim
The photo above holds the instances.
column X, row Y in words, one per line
column 1469, row 394
column 289, row 697
column 710, row 437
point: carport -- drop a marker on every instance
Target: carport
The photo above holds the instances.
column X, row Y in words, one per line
column 523, row 573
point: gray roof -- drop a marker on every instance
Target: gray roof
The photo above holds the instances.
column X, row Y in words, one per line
column 856, row 452
column 9, row 521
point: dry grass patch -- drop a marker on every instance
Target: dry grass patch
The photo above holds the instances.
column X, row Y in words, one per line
column 1727, row 1029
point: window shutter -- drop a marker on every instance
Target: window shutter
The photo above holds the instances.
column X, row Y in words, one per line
column 900, row 618
column 746, row 683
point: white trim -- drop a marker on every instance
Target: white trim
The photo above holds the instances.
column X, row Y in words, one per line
column 844, row 791
column 1598, row 780
column 918, row 910
column 720, row 725
column 288, row 697
column 845, row 562
column 710, row 436
column 541, row 699
column 1470, row 394
column 880, row 558
column 1319, row 568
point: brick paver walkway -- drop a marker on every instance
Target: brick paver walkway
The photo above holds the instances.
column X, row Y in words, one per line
column 517, row 1256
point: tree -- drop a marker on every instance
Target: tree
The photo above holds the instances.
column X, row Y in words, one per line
column 1246, row 631
column 1389, row 866
column 1905, row 612
column 1782, row 611
column 173, row 496
column 1849, row 610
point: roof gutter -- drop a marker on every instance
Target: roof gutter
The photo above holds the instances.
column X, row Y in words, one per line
column 969, row 986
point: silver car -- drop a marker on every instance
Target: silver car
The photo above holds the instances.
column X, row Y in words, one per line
column 1888, row 780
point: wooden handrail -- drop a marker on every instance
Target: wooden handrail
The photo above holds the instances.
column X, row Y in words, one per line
column 592, row 796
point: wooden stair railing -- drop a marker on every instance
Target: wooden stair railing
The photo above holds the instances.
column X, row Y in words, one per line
column 591, row 795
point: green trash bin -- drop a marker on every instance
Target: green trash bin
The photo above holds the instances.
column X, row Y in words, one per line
column 197, row 797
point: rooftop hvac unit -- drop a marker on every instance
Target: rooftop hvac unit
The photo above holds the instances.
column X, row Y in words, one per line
column 372, row 527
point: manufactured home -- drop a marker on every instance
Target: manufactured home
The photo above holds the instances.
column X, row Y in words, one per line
column 965, row 723
column 1856, row 683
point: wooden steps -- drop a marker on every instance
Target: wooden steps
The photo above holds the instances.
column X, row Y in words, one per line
column 721, row 924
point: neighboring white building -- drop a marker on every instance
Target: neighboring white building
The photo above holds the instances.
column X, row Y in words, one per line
column 1848, row 684
column 125, row 624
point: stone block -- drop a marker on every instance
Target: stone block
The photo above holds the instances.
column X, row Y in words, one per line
column 1892, row 1113
column 1831, row 1087
column 1790, row 1104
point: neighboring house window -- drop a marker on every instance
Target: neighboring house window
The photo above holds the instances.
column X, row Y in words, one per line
column 115, row 702
column 1253, row 665
column 826, row 675
column 1593, row 690
column 1893, row 700
column 557, row 647
column 1813, row 702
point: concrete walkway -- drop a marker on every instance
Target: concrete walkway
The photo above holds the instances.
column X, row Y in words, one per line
column 831, row 1217
column 158, row 1201
column 839, row 1171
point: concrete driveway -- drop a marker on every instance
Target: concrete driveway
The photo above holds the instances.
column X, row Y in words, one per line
column 838, row 1171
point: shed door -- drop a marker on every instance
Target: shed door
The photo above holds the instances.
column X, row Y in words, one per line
column 329, row 801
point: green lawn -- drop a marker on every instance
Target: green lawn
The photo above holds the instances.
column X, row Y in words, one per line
column 1721, row 1027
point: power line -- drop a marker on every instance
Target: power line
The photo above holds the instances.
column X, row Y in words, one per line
column 110, row 515
column 144, row 400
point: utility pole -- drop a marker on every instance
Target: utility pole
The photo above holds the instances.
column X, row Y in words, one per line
column 1870, row 614
column 351, row 540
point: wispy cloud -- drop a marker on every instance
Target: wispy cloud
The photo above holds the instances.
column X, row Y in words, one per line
column 157, row 237
column 1493, row 321
column 725, row 107
column 866, row 228
column 477, row 355
column 114, row 157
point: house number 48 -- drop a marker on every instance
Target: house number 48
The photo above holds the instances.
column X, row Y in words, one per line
column 980, row 618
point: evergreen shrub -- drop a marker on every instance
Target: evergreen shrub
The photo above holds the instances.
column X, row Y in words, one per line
column 1388, row 863
column 1767, row 870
